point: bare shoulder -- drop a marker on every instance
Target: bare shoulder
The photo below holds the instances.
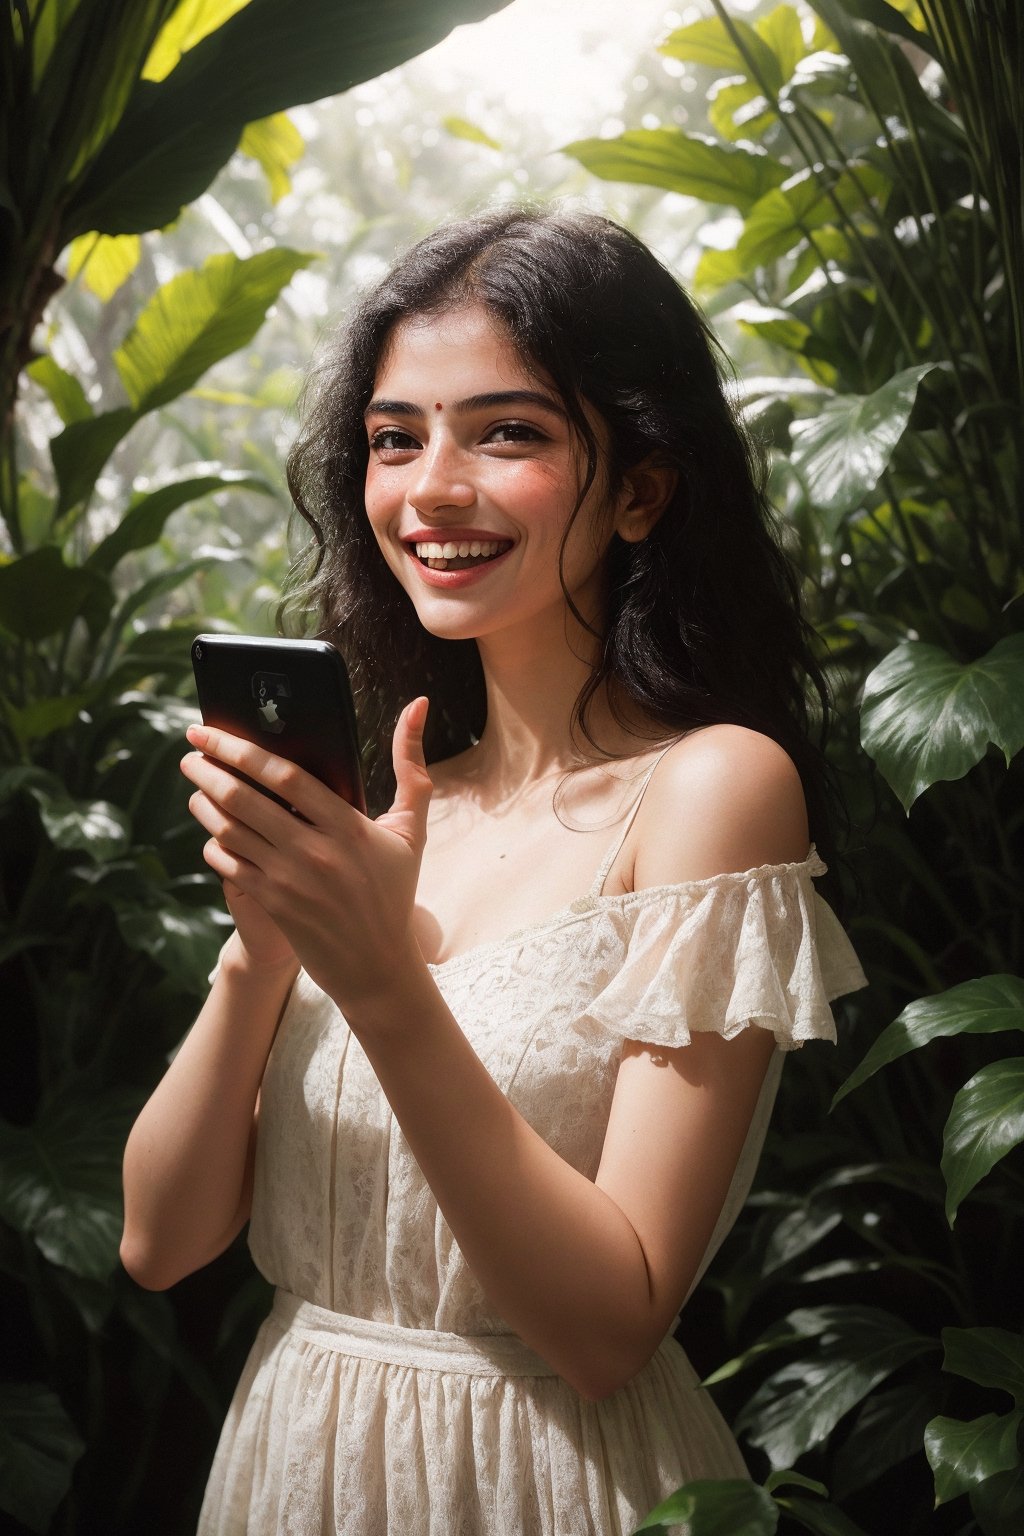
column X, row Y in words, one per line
column 724, row 798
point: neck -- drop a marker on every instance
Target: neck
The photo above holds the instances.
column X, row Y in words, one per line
column 533, row 680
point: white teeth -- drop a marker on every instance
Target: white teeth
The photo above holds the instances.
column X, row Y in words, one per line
column 451, row 550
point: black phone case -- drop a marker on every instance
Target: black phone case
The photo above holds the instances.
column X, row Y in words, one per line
column 291, row 697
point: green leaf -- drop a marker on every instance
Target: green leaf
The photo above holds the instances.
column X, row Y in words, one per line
column 40, row 595
column 992, row 1357
column 737, row 110
column 276, row 144
column 729, row 1507
column 879, row 13
column 998, row 1503
column 739, row 51
column 962, row 1453
column 982, row 1007
column 168, row 581
column 888, row 1428
column 811, row 200
column 144, row 521
column 985, row 1123
column 42, row 717
column 823, row 1519
column 842, row 453
column 198, row 318
column 82, row 449
column 60, row 1178
column 176, row 133
column 183, row 941
column 925, row 717
column 800, row 1405
column 787, row 1478
column 38, row 1449
column 461, row 128
column 682, row 162
column 106, row 262
column 64, row 390
column 94, row 827
column 781, row 30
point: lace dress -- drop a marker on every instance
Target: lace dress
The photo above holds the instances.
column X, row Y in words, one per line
column 383, row 1396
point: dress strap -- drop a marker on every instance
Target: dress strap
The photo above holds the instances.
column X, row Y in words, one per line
column 609, row 859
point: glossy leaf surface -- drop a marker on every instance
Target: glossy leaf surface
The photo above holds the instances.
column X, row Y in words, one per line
column 993, row 1357
column 986, row 1006
column 60, row 1178
column 730, row 1507
column 985, row 1123
column 842, row 452
column 926, row 717
column 963, row 1453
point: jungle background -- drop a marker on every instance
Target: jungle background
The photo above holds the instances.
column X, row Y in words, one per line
column 189, row 192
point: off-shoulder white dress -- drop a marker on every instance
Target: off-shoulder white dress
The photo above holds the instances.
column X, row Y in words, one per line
column 383, row 1396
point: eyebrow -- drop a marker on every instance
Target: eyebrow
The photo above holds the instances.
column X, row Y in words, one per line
column 382, row 407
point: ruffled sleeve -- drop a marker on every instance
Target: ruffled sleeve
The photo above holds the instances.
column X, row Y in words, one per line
column 760, row 947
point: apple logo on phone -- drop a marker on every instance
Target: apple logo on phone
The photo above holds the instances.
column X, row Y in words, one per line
column 267, row 688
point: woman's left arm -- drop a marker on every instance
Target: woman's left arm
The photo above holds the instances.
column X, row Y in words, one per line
column 589, row 1274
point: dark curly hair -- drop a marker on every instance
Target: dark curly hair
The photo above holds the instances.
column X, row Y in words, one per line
column 703, row 615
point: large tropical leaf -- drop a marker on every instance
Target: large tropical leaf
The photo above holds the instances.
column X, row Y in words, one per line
column 197, row 319
column 799, row 1405
column 998, row 1503
column 94, row 827
column 144, row 521
column 985, row 1123
column 60, row 1178
column 40, row 595
column 38, row 1449
column 926, row 717
column 738, row 50
column 963, row 1453
column 841, row 453
column 993, row 1357
column 682, row 162
column 176, row 133
column 731, row 1507
column 982, row 1007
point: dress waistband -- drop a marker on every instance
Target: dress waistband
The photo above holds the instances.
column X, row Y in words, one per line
column 483, row 1354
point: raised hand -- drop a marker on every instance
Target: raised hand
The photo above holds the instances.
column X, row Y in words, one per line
column 338, row 888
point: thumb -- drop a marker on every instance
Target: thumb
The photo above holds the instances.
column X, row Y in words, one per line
column 413, row 785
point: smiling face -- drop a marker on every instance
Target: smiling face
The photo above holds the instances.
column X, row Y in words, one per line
column 473, row 473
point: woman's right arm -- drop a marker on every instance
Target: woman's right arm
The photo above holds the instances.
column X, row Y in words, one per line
column 189, row 1160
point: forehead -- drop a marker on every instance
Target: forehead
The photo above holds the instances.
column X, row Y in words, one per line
column 460, row 351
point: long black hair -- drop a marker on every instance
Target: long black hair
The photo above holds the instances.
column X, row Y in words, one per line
column 703, row 615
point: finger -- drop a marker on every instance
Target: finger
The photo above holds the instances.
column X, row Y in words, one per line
column 408, row 814
column 231, row 834
column 294, row 785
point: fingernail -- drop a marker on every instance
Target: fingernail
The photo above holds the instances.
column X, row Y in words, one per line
column 196, row 735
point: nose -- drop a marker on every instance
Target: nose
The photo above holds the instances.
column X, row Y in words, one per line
column 442, row 478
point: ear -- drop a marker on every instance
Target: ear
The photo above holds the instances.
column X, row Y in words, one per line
column 647, row 489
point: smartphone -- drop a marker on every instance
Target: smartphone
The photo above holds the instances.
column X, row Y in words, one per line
column 291, row 697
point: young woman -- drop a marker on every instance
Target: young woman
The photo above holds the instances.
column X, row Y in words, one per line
column 490, row 1074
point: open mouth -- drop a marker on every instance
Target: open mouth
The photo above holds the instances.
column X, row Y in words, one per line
column 461, row 555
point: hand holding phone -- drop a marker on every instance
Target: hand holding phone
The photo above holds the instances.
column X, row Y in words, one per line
column 291, row 697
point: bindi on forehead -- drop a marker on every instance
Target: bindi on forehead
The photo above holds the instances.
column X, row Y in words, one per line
column 437, row 405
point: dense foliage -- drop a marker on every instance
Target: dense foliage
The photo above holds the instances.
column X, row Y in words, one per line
column 867, row 241
column 115, row 113
column 870, row 155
